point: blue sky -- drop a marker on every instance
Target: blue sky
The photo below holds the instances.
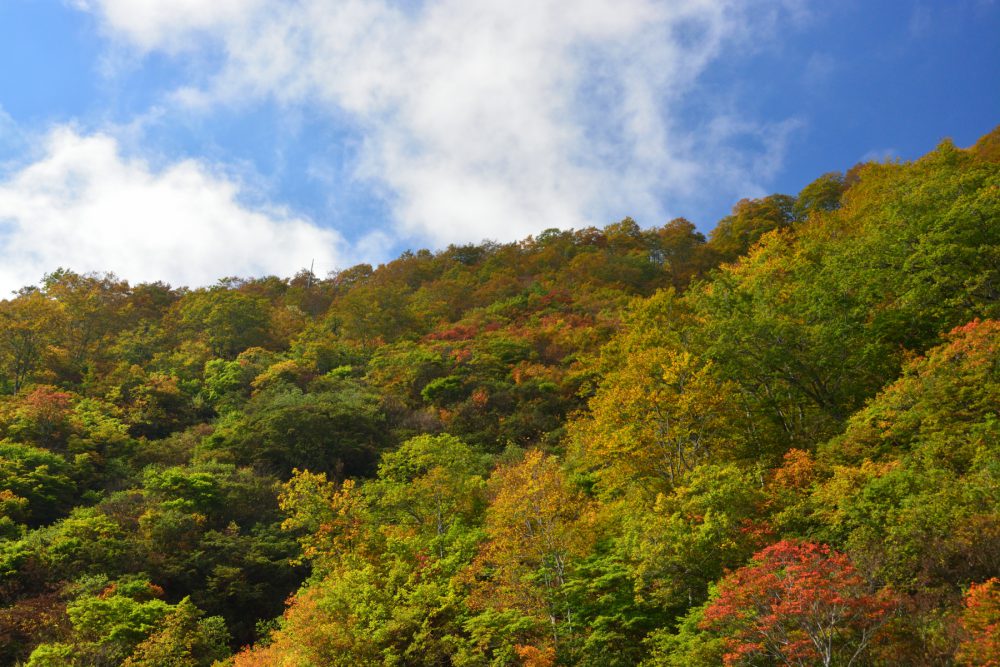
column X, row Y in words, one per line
column 184, row 140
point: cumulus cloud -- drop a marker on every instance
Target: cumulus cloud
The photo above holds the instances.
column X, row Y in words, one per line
column 489, row 118
column 84, row 205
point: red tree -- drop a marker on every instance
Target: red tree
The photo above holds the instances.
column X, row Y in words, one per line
column 798, row 603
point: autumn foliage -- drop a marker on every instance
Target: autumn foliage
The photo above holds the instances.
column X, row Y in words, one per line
column 797, row 603
column 775, row 444
column 981, row 625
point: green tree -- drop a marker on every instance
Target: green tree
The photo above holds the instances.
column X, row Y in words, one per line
column 823, row 194
column 537, row 526
column 750, row 220
column 108, row 621
column 229, row 321
column 185, row 639
column 434, row 483
column 42, row 480
column 334, row 431
column 95, row 308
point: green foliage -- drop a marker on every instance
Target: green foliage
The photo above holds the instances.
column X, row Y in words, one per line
column 228, row 321
column 750, row 221
column 334, row 431
column 688, row 646
column 613, row 621
column 443, row 391
column 184, row 640
column 927, row 510
column 29, row 328
column 823, row 194
column 124, row 622
column 433, row 483
column 227, row 383
column 108, row 619
column 88, row 541
column 691, row 536
column 54, row 655
column 37, row 485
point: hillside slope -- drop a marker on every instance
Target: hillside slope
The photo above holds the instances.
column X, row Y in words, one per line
column 778, row 444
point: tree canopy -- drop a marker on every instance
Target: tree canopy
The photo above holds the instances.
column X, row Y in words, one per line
column 775, row 444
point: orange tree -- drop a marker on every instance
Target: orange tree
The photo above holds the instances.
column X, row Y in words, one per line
column 981, row 625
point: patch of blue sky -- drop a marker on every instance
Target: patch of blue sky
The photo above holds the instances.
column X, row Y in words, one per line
column 48, row 56
column 851, row 81
column 866, row 80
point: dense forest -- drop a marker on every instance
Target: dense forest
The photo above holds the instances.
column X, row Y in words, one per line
column 777, row 445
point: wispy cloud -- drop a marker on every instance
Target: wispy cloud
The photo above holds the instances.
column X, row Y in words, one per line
column 12, row 138
column 167, row 25
column 486, row 119
column 921, row 21
column 818, row 70
column 84, row 205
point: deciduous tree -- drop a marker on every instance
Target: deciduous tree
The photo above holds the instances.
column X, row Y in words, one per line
column 797, row 603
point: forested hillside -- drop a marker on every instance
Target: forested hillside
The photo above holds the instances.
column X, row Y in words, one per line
column 618, row 446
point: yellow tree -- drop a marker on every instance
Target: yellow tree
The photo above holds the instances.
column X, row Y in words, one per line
column 27, row 331
column 656, row 418
column 536, row 524
column 331, row 517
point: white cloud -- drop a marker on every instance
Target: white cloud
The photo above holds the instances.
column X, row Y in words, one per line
column 83, row 205
column 488, row 118
column 152, row 24
column 12, row 139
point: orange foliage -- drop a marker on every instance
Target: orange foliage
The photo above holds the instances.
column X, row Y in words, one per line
column 981, row 624
column 798, row 470
column 532, row 656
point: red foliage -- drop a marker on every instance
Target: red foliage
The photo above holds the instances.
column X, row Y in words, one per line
column 457, row 332
column 759, row 531
column 797, row 603
column 480, row 397
column 557, row 296
column 977, row 339
column 461, row 332
column 30, row 621
column 43, row 416
column 981, row 625
column 44, row 400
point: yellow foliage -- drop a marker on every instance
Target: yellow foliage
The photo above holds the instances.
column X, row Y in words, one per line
column 655, row 419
